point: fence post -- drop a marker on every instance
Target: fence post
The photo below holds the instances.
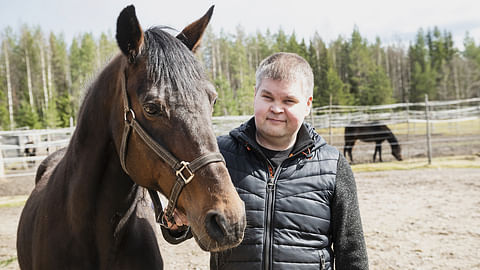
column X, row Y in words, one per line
column 429, row 144
column 312, row 120
column 330, row 121
column 2, row 165
column 408, row 131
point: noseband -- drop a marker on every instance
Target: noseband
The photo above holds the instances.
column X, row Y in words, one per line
column 184, row 171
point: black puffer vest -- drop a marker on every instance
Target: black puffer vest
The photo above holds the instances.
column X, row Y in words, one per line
column 288, row 210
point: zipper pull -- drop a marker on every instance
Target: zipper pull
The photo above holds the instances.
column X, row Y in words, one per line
column 271, row 184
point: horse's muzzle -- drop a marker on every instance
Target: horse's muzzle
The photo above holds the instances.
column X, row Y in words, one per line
column 225, row 234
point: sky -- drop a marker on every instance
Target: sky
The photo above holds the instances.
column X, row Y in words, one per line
column 392, row 21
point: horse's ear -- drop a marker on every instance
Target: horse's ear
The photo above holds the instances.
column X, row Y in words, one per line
column 129, row 33
column 192, row 34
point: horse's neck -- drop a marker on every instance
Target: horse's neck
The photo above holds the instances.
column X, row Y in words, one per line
column 92, row 166
column 392, row 139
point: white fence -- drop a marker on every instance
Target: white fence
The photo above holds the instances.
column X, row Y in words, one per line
column 22, row 150
column 453, row 124
column 439, row 127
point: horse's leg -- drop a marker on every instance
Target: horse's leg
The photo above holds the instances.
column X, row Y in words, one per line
column 378, row 148
column 347, row 149
column 380, row 152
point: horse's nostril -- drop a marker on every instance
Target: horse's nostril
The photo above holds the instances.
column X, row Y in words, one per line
column 215, row 225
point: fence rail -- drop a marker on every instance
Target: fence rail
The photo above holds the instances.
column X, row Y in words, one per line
column 455, row 128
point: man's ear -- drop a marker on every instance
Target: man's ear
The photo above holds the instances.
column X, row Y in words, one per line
column 192, row 34
column 310, row 101
column 309, row 104
column 129, row 33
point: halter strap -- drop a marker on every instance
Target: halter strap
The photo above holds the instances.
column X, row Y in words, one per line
column 184, row 171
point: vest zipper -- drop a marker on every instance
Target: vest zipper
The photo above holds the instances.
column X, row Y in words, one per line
column 270, row 202
column 322, row 260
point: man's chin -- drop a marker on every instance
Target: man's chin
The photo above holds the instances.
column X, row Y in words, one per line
column 273, row 132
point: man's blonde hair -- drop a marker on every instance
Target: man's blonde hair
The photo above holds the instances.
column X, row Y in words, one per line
column 289, row 67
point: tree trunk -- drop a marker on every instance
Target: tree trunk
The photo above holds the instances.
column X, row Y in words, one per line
column 49, row 73
column 9, row 87
column 44, row 77
column 219, row 59
column 455, row 80
column 214, row 60
column 29, row 81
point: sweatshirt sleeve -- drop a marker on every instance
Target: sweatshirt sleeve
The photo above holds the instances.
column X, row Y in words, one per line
column 347, row 233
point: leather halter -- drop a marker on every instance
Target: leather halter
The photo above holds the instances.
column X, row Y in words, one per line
column 184, row 171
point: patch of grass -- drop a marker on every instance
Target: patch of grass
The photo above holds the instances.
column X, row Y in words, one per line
column 471, row 161
column 8, row 261
column 13, row 201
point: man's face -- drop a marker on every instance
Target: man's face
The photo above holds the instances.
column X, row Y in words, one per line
column 280, row 108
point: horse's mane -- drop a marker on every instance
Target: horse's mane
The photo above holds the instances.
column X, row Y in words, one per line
column 171, row 66
column 391, row 137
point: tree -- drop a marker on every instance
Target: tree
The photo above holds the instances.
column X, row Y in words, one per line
column 422, row 78
column 225, row 104
column 6, row 80
column 376, row 89
column 62, row 100
column 26, row 117
column 107, row 47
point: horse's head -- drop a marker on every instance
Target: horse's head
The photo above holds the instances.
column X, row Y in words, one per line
column 397, row 151
column 168, row 99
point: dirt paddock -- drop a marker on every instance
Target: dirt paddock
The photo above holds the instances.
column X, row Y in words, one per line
column 417, row 219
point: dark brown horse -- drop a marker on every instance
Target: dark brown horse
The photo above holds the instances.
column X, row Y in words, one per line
column 149, row 110
column 371, row 133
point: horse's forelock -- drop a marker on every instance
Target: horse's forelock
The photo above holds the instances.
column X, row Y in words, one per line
column 172, row 67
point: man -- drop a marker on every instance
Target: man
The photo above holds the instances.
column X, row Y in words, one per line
column 299, row 193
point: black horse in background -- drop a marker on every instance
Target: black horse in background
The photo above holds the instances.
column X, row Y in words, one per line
column 372, row 133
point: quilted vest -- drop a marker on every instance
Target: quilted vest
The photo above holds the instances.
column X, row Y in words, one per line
column 288, row 210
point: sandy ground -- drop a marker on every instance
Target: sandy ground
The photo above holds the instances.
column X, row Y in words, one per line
column 418, row 219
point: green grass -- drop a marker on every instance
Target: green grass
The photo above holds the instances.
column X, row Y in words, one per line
column 421, row 163
column 8, row 261
column 13, row 201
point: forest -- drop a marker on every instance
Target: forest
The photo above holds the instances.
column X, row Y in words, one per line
column 43, row 77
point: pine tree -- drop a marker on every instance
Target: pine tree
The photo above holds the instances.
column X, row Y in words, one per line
column 422, row 78
column 225, row 103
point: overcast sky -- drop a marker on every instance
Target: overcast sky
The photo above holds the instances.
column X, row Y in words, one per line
column 392, row 21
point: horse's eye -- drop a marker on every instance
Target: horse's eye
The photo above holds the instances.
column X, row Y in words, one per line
column 152, row 109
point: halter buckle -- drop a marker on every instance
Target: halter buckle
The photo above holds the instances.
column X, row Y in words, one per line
column 179, row 172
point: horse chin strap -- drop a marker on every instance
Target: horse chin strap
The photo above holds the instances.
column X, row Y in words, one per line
column 184, row 171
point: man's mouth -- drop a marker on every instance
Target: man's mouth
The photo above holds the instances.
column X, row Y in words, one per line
column 276, row 120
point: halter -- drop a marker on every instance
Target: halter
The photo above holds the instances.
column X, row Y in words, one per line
column 184, row 171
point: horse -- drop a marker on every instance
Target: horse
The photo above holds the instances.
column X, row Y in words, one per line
column 30, row 151
column 371, row 133
column 144, row 127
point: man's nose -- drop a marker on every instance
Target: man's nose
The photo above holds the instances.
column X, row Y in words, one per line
column 275, row 108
